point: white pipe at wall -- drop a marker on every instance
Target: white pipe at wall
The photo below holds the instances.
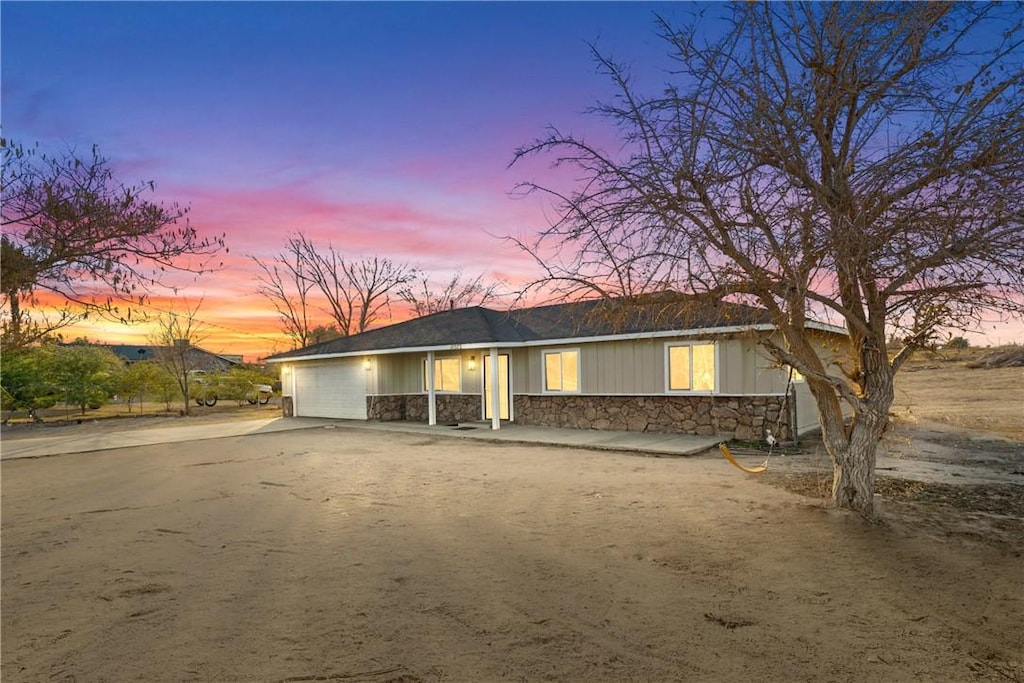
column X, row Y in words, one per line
column 431, row 394
column 495, row 391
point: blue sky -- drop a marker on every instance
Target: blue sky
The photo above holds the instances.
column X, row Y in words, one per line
column 268, row 92
column 386, row 128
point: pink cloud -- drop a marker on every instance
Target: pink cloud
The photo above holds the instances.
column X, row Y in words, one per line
column 434, row 215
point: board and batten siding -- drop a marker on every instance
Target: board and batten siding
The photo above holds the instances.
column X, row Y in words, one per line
column 611, row 367
column 621, row 367
column 751, row 370
column 402, row 373
column 398, row 374
column 637, row 367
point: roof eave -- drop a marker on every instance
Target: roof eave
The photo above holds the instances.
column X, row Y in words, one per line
column 659, row 334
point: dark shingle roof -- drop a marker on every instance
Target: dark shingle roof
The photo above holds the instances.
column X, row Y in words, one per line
column 580, row 319
column 654, row 313
column 198, row 358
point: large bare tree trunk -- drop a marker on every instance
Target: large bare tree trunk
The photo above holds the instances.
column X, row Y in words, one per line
column 853, row 448
column 853, row 469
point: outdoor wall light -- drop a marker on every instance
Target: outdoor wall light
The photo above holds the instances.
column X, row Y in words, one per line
column 366, row 364
column 472, row 363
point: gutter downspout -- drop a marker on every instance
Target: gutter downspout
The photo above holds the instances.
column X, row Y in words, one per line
column 495, row 390
column 294, row 392
column 431, row 394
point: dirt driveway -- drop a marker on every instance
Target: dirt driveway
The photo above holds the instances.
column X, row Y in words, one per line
column 357, row 555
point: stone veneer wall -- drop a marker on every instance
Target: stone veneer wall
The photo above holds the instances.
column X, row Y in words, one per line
column 740, row 417
column 413, row 407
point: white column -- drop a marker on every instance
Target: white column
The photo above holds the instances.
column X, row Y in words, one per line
column 495, row 391
column 431, row 394
column 294, row 402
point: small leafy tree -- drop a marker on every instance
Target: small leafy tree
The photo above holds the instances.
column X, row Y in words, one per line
column 85, row 376
column 322, row 333
column 147, row 378
column 25, row 381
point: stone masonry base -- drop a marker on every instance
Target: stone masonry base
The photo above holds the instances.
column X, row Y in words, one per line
column 413, row 407
column 740, row 417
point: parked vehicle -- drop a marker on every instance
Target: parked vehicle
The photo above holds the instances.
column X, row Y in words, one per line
column 225, row 386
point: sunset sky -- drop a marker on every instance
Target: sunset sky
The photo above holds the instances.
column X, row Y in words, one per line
column 384, row 128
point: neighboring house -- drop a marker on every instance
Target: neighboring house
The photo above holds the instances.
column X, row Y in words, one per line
column 661, row 364
column 198, row 359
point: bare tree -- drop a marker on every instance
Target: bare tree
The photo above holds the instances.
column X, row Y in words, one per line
column 426, row 297
column 174, row 336
column 284, row 282
column 862, row 162
column 354, row 293
column 72, row 229
column 371, row 282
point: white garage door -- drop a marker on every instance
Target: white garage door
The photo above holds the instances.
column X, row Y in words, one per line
column 334, row 388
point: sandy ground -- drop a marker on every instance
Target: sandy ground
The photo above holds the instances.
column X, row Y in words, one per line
column 990, row 401
column 354, row 555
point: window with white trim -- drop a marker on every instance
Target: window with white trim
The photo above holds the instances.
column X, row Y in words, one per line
column 562, row 371
column 447, row 375
column 691, row 367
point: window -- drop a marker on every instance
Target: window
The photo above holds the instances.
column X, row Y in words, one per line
column 691, row 367
column 447, row 375
column 562, row 371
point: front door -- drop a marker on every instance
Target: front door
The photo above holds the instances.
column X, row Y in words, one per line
column 505, row 398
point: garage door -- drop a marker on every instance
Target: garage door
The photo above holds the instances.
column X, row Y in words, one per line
column 331, row 389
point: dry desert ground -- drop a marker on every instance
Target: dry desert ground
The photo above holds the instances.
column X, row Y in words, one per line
column 352, row 555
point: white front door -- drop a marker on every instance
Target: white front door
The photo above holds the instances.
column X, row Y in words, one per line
column 505, row 397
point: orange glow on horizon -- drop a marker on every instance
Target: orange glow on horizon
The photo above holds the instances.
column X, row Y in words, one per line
column 241, row 322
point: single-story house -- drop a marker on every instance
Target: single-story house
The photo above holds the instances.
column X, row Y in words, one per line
column 198, row 358
column 669, row 363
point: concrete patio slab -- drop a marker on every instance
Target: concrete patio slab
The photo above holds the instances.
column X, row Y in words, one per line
column 641, row 442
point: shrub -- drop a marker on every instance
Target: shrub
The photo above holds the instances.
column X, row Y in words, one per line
column 957, row 343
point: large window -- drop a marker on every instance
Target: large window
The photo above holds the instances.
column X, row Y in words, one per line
column 562, row 371
column 691, row 367
column 447, row 375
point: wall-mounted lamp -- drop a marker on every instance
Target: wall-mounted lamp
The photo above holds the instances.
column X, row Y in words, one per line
column 366, row 364
column 472, row 363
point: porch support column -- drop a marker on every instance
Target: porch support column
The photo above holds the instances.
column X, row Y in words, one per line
column 495, row 397
column 292, row 373
column 431, row 394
